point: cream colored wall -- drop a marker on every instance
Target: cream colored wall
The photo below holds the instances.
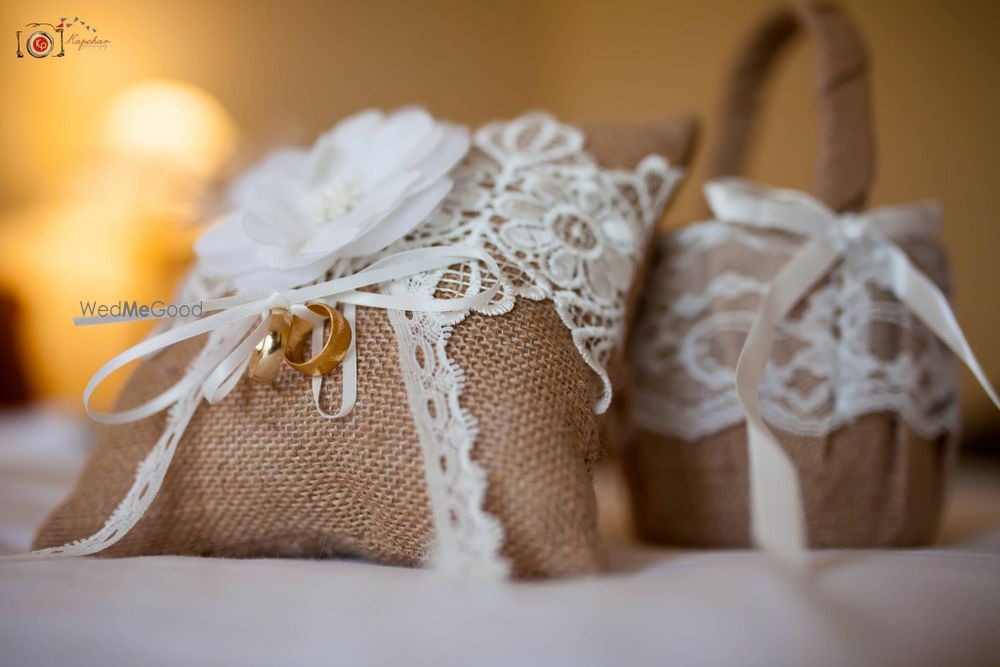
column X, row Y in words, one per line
column 286, row 70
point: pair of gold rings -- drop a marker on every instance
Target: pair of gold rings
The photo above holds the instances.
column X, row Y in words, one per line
column 285, row 338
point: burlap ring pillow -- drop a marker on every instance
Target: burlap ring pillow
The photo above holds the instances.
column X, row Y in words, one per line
column 858, row 392
column 472, row 443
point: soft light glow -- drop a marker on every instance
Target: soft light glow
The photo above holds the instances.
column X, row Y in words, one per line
column 170, row 121
column 117, row 228
column 54, row 256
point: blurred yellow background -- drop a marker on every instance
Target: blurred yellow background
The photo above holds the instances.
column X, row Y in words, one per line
column 86, row 213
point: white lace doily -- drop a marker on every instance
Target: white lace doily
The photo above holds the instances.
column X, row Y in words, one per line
column 839, row 355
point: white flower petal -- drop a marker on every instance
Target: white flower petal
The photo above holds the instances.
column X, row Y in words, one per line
column 268, row 231
column 270, row 279
column 278, row 216
column 423, row 149
column 400, row 222
column 363, row 185
column 229, row 265
column 222, row 236
column 224, row 250
column 282, row 165
column 450, row 149
column 335, row 151
column 368, row 214
column 400, row 134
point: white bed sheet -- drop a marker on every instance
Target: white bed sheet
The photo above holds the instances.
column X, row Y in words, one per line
column 937, row 606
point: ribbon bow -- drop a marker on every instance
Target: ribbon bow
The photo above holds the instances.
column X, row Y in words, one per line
column 777, row 515
column 214, row 376
column 235, row 325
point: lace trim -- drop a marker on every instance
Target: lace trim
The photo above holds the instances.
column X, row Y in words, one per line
column 151, row 470
column 467, row 540
column 562, row 229
column 839, row 355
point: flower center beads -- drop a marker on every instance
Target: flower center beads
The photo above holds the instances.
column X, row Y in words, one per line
column 339, row 198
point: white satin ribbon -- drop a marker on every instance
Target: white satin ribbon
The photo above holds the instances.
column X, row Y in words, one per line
column 777, row 514
column 216, row 377
column 239, row 322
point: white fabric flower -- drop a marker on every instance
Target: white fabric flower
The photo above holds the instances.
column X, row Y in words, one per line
column 365, row 184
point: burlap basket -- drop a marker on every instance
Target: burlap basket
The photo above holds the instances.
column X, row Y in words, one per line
column 260, row 474
column 873, row 482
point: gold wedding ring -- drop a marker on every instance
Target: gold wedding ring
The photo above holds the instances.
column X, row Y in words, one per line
column 265, row 362
column 334, row 348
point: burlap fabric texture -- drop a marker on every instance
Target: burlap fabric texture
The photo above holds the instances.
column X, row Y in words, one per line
column 261, row 474
column 874, row 482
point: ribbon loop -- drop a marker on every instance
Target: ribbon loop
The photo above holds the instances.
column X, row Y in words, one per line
column 239, row 321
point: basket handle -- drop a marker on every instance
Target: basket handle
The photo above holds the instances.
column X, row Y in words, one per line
column 847, row 147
